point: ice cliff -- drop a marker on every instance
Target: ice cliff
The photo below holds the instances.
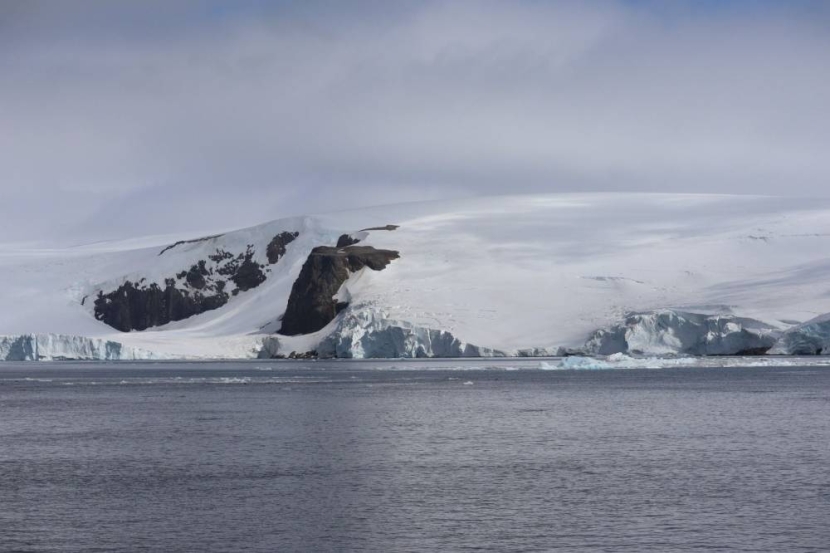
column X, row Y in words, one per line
column 667, row 332
column 367, row 333
column 54, row 347
column 810, row 338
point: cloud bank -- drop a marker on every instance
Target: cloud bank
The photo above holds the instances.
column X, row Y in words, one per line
column 120, row 119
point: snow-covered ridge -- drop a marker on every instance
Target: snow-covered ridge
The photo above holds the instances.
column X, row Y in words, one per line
column 205, row 285
column 514, row 275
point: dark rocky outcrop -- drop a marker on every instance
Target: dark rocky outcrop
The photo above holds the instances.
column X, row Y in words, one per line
column 202, row 287
column 244, row 271
column 277, row 246
column 133, row 307
column 751, row 352
column 181, row 242
column 386, row 227
column 346, row 240
column 294, row 355
column 195, row 277
column 311, row 305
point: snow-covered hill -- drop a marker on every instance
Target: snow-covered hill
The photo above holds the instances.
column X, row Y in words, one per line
column 500, row 275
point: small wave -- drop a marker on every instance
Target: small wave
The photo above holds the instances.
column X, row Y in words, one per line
column 229, row 380
column 618, row 361
column 193, row 381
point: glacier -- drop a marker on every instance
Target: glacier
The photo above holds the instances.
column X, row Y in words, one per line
column 532, row 275
column 367, row 333
column 810, row 338
column 670, row 332
column 60, row 347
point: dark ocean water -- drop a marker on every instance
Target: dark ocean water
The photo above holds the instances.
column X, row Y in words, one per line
column 345, row 457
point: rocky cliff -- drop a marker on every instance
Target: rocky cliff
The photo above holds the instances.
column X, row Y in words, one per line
column 206, row 285
column 312, row 304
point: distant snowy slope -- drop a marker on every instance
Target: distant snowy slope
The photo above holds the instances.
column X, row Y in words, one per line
column 505, row 273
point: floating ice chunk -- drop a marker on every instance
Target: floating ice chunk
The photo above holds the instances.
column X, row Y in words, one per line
column 575, row 363
column 619, row 361
column 622, row 361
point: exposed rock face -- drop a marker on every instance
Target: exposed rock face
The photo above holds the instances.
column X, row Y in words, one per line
column 180, row 242
column 311, row 305
column 277, row 246
column 810, row 338
column 346, row 240
column 202, row 287
column 195, row 277
column 353, row 238
column 386, row 227
column 678, row 332
column 244, row 271
column 133, row 307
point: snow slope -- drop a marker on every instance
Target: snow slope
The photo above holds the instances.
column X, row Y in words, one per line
column 500, row 273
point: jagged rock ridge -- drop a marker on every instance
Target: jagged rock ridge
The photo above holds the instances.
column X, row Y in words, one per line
column 353, row 238
column 277, row 246
column 182, row 242
column 346, row 240
column 312, row 305
column 384, row 227
column 204, row 286
column 136, row 307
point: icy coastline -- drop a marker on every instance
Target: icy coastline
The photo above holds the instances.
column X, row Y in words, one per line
column 366, row 333
column 678, row 332
column 810, row 338
column 60, row 347
column 527, row 276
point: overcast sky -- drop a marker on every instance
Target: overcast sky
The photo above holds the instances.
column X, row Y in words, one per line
column 121, row 118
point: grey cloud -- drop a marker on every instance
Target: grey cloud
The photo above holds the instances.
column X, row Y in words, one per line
column 118, row 120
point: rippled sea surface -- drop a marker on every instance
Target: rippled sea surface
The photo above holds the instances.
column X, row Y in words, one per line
column 422, row 456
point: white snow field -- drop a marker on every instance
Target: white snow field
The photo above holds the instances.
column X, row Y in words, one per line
column 491, row 276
